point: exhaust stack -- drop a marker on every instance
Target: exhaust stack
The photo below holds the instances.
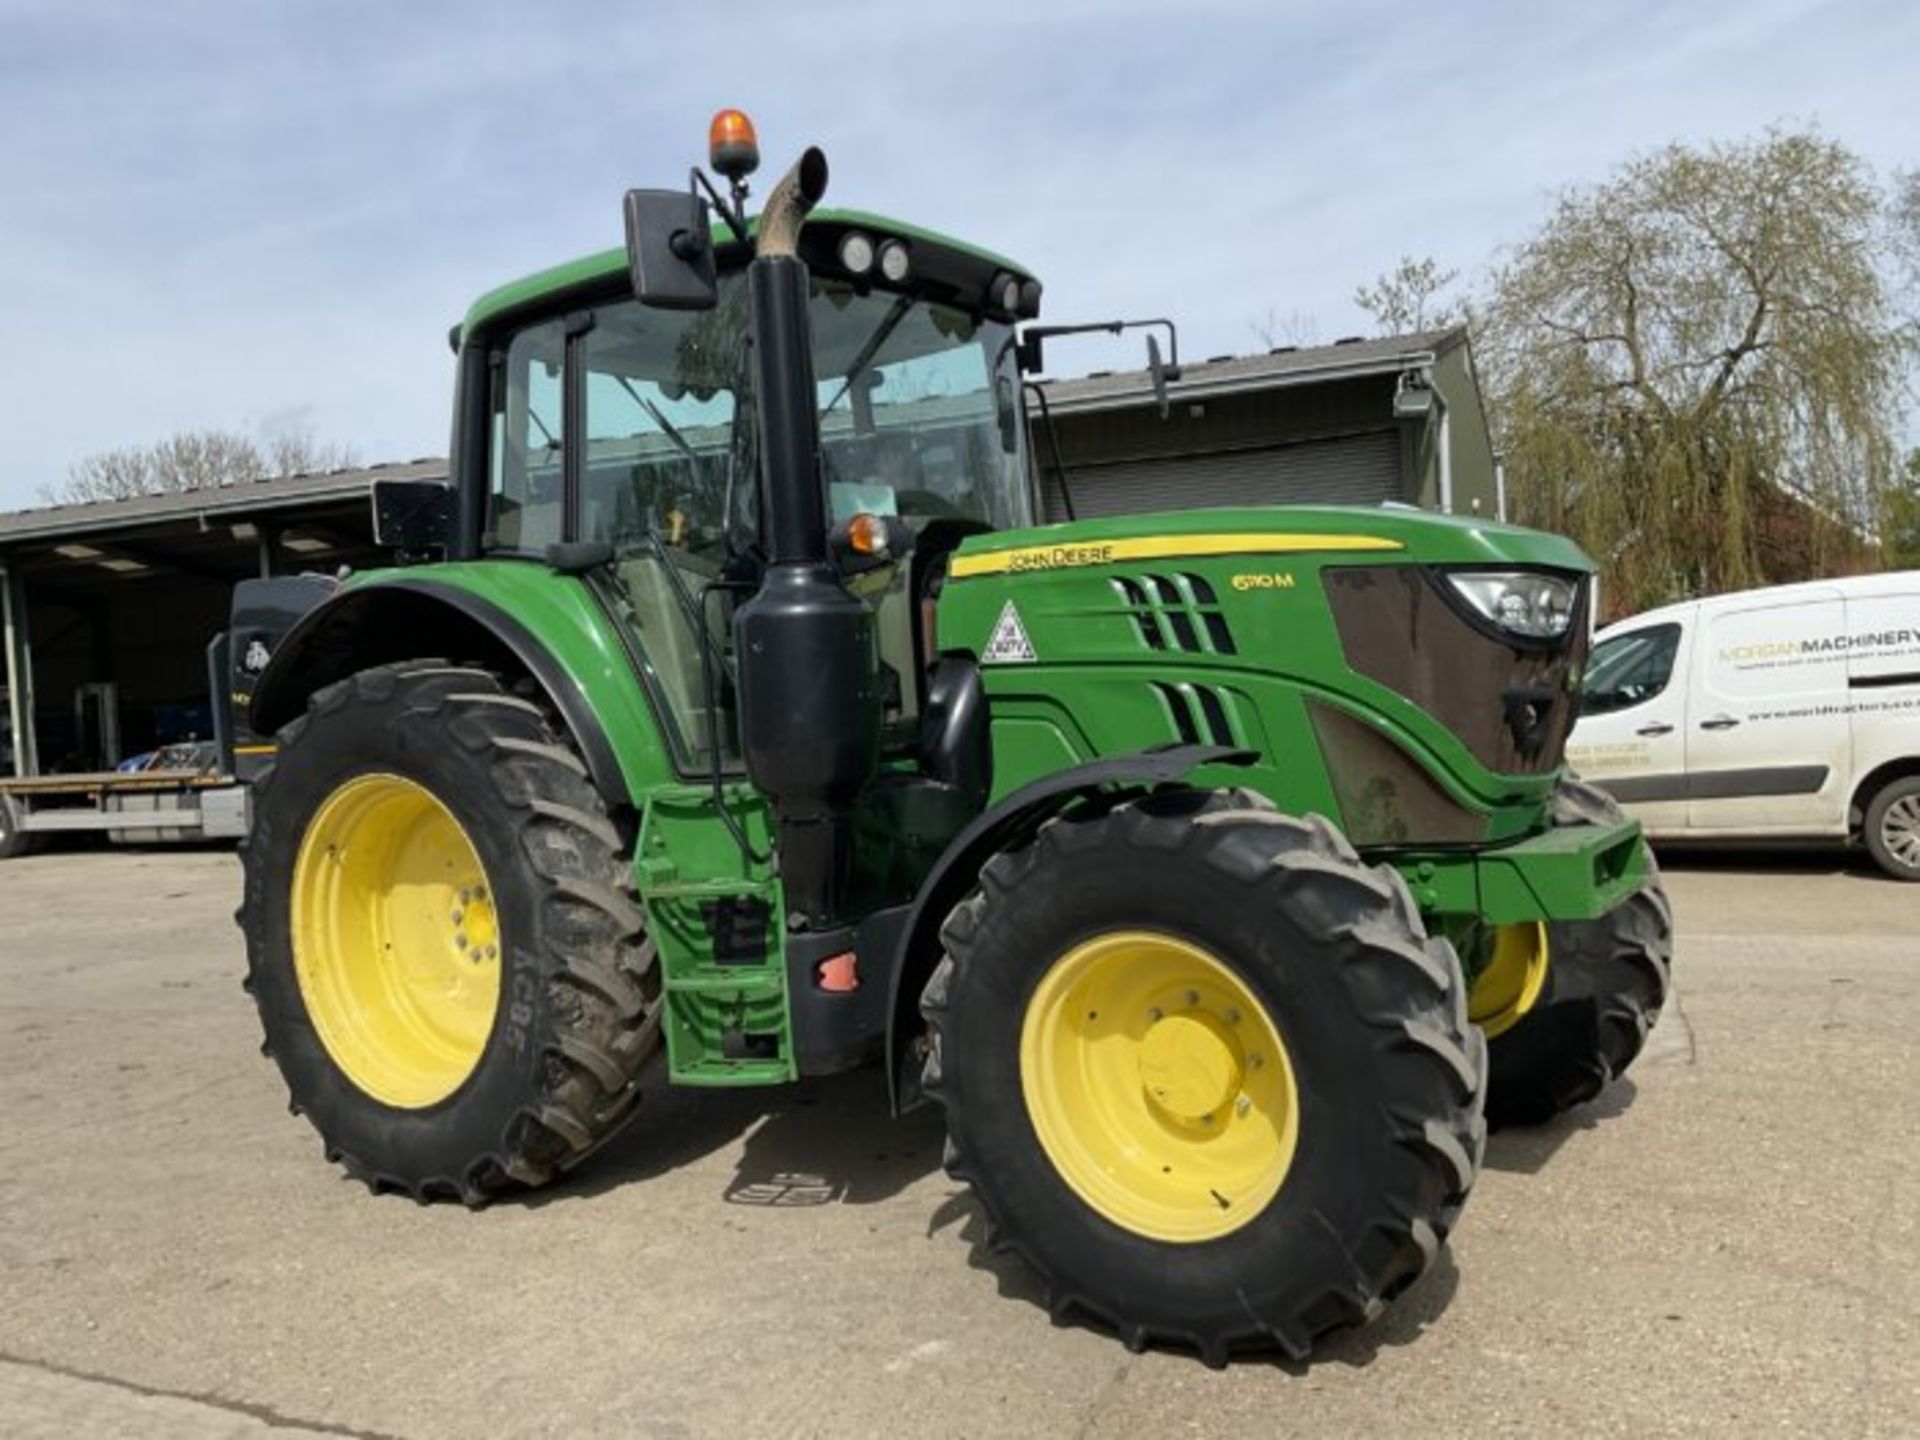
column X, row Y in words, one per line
column 808, row 663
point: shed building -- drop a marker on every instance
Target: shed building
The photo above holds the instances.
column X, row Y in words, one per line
column 1355, row 423
column 109, row 607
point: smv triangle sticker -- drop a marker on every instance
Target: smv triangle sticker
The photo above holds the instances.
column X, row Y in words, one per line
column 1008, row 644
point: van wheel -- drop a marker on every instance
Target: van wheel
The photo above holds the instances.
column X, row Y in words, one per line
column 1892, row 830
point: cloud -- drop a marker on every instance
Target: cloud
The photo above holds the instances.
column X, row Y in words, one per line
column 221, row 212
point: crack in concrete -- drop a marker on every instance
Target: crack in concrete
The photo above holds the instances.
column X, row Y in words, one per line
column 265, row 1414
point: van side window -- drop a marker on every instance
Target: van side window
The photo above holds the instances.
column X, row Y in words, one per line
column 1629, row 669
column 523, row 510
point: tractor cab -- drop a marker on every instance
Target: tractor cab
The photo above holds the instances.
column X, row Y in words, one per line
column 917, row 399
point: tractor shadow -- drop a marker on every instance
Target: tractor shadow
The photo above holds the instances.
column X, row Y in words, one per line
column 1405, row 1320
column 825, row 1141
column 1528, row 1149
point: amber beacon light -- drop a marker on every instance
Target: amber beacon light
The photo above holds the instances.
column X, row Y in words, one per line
column 732, row 147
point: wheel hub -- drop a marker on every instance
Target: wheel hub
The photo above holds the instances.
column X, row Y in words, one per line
column 1190, row 1065
column 1900, row 829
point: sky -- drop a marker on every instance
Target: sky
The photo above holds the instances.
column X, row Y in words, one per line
column 265, row 216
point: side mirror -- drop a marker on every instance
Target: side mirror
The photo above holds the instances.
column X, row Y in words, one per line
column 670, row 249
column 414, row 518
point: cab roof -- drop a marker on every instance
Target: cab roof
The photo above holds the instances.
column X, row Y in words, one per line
column 607, row 266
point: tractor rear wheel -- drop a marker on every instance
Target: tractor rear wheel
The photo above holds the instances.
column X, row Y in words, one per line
column 450, row 966
column 1605, row 983
column 1205, row 1072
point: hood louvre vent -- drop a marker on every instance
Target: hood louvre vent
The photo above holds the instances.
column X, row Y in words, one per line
column 1176, row 612
column 1200, row 714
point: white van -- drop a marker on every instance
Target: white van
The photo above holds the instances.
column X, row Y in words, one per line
column 1786, row 713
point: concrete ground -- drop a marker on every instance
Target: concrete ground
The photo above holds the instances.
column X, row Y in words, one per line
column 1726, row 1244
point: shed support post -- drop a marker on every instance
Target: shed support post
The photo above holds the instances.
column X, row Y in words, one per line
column 19, row 670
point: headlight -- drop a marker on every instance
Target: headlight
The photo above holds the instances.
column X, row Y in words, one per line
column 1521, row 602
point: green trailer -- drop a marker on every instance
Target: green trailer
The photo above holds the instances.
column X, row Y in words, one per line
column 1217, row 873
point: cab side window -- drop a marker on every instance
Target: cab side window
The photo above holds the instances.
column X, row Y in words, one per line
column 527, row 443
column 1631, row 669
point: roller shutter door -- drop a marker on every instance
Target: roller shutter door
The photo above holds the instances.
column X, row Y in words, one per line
column 1359, row 469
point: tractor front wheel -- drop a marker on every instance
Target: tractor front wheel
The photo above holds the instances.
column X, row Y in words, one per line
column 1205, row 1072
column 1604, row 985
column 452, row 972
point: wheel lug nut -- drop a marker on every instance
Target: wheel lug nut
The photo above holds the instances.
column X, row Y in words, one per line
column 1242, row 1105
column 1193, row 998
column 458, row 916
column 460, row 940
column 1256, row 1061
column 1233, row 1017
column 1154, row 1013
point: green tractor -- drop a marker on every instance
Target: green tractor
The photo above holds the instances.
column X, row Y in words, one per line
column 729, row 703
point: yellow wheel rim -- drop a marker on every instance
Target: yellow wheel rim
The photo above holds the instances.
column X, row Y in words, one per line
column 396, row 943
column 1158, row 1086
column 1507, row 989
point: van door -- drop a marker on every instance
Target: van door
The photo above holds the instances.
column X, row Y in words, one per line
column 1630, row 739
column 1883, row 676
column 1769, row 750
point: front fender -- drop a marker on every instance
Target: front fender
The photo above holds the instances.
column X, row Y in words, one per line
column 516, row 617
column 1014, row 821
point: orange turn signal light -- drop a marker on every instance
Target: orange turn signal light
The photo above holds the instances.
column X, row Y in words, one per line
column 732, row 147
column 840, row 974
column 867, row 535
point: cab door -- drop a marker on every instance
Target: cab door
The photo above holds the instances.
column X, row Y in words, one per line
column 1769, row 749
column 1630, row 739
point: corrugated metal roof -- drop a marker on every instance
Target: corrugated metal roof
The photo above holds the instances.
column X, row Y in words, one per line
column 249, row 497
column 1288, row 365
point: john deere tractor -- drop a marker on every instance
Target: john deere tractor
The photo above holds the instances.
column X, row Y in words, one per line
column 729, row 708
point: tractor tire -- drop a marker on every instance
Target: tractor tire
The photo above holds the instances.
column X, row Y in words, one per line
column 1117, row 1157
column 1892, row 828
column 1606, row 982
column 451, row 968
column 14, row 841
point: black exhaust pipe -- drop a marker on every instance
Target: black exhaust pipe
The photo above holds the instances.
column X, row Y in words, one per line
column 808, row 664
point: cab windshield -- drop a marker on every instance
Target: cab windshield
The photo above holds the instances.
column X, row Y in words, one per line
column 918, row 418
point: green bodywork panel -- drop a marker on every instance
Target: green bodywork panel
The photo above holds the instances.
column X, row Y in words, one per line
column 607, row 266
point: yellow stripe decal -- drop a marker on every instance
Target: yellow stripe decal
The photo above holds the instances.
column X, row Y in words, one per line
column 255, row 749
column 1153, row 547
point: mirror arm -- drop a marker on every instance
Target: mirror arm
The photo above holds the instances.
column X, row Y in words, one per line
column 735, row 214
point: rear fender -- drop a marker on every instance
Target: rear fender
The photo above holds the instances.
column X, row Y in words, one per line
column 1012, row 822
column 389, row 620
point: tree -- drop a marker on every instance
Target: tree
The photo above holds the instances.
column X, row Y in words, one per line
column 195, row 460
column 1409, row 298
column 1695, row 366
column 1291, row 330
column 1900, row 529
